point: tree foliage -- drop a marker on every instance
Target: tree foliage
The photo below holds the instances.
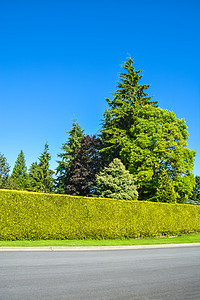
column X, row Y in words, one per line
column 19, row 174
column 68, row 154
column 160, row 144
column 116, row 182
column 196, row 190
column 148, row 139
column 35, row 177
column 41, row 177
column 165, row 191
column 139, row 142
column 122, row 112
column 11, row 184
column 4, row 171
column 84, row 167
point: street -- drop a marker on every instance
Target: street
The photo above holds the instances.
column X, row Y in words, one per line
column 169, row 273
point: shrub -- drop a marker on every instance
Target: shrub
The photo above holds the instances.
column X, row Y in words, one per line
column 34, row 216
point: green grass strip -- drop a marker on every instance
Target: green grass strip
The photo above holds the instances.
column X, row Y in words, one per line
column 192, row 238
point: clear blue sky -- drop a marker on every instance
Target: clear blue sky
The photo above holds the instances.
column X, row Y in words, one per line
column 59, row 60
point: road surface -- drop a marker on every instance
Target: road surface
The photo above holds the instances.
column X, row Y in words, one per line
column 169, row 273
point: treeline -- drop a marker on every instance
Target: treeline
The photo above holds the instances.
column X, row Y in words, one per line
column 140, row 153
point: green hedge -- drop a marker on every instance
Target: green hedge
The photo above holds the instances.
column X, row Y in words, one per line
column 26, row 215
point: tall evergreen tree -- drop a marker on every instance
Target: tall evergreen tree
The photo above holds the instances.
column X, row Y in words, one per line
column 84, row 167
column 41, row 177
column 4, row 171
column 122, row 112
column 69, row 149
column 35, row 178
column 19, row 174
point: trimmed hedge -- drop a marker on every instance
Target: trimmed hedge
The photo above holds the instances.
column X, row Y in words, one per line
column 35, row 216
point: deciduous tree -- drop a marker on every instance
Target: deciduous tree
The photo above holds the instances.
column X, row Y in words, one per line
column 84, row 167
column 159, row 143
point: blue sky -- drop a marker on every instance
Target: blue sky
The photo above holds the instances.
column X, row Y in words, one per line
column 59, row 60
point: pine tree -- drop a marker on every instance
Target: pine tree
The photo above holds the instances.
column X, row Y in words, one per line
column 4, row 171
column 41, row 177
column 19, row 174
column 116, row 182
column 84, row 167
column 68, row 154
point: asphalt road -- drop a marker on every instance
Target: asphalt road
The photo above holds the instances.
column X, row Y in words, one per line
column 170, row 273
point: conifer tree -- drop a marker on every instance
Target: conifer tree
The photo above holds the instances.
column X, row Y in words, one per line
column 41, row 177
column 4, row 171
column 35, row 178
column 116, row 182
column 69, row 149
column 19, row 174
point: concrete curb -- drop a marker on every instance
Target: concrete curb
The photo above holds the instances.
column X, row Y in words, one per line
column 97, row 248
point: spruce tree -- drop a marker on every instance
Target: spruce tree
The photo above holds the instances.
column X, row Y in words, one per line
column 69, row 149
column 19, row 174
column 116, row 182
column 4, row 171
column 35, row 178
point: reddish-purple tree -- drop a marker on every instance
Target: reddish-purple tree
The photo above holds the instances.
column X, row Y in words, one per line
column 84, row 167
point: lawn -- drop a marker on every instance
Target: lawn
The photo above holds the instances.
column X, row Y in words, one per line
column 192, row 238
